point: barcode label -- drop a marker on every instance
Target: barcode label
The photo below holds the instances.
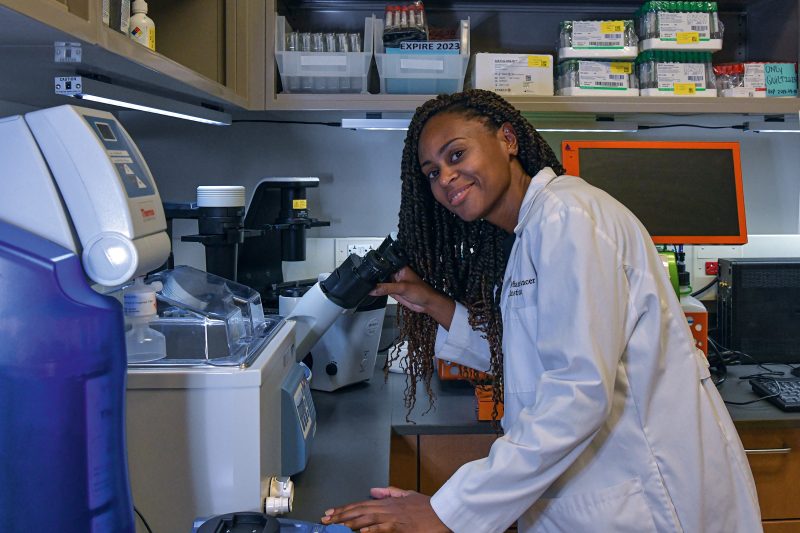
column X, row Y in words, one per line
column 617, row 76
column 699, row 28
column 609, row 84
column 602, row 43
column 695, row 78
column 612, row 36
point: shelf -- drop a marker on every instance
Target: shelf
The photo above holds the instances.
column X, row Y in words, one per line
column 547, row 104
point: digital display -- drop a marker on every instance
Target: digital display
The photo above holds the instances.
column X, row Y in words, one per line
column 105, row 131
column 683, row 193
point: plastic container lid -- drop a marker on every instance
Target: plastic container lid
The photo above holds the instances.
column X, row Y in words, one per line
column 220, row 196
column 139, row 6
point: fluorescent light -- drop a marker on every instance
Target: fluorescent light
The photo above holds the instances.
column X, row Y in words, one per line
column 601, row 126
column 106, row 93
column 376, row 124
column 593, row 126
column 770, row 126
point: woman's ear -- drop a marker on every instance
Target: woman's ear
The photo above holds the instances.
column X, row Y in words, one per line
column 509, row 137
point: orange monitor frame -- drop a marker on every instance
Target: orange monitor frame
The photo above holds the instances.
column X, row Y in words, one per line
column 570, row 155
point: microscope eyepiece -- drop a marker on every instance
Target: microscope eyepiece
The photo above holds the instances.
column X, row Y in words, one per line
column 351, row 282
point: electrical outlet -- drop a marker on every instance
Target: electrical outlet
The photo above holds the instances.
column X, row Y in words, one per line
column 704, row 258
column 355, row 245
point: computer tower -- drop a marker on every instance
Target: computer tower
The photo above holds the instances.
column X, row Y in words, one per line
column 758, row 308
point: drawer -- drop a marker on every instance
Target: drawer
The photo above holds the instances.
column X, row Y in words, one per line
column 774, row 456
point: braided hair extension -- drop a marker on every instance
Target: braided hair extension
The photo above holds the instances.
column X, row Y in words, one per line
column 464, row 260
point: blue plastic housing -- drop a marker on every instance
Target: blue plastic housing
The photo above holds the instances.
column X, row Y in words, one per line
column 63, row 461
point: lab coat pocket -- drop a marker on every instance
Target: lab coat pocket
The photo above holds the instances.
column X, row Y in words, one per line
column 621, row 508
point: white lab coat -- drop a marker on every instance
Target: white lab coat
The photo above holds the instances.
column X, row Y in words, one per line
column 611, row 423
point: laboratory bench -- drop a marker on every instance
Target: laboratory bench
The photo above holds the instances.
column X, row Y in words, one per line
column 365, row 439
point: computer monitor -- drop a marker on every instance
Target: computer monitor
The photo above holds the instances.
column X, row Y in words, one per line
column 683, row 192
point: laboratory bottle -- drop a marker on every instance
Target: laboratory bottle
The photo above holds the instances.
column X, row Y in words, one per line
column 142, row 342
column 696, row 315
column 142, row 27
column 62, row 394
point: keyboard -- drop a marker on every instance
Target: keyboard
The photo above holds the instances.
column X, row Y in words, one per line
column 786, row 389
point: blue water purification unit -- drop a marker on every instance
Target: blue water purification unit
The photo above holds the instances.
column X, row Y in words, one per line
column 63, row 461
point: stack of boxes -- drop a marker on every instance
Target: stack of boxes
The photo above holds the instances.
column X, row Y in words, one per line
column 596, row 58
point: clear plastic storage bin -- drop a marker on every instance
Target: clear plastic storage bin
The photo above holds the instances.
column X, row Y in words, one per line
column 422, row 73
column 308, row 69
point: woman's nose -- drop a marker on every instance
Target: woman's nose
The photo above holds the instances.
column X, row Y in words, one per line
column 446, row 175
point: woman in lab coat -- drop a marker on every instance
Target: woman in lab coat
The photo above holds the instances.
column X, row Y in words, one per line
column 611, row 421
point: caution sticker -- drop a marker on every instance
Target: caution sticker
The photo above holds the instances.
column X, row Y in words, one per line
column 687, row 37
column 612, row 26
column 685, row 88
column 300, row 204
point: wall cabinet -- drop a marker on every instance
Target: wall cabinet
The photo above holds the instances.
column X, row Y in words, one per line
column 208, row 51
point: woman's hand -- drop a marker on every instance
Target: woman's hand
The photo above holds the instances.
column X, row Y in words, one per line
column 412, row 292
column 392, row 510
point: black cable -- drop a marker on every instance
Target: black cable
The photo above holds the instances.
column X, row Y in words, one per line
column 146, row 525
column 330, row 124
column 704, row 289
column 754, row 401
column 661, row 126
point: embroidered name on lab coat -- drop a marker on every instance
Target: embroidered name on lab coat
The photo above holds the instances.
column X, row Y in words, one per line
column 516, row 286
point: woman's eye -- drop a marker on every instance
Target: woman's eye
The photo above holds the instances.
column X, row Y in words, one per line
column 455, row 156
column 433, row 174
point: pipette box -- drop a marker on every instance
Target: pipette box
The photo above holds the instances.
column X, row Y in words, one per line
column 514, row 74
column 415, row 73
column 304, row 71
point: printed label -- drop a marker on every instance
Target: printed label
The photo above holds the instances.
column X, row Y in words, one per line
column 300, row 204
column 685, row 88
column 670, row 24
column 139, row 303
column 513, row 75
column 598, row 34
column 620, row 67
column 599, row 75
column 671, row 75
column 754, row 76
column 431, row 46
column 539, row 61
column 687, row 37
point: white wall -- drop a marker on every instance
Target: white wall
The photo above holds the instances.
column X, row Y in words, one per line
column 359, row 170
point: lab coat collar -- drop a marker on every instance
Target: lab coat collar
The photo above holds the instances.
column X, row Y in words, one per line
column 538, row 182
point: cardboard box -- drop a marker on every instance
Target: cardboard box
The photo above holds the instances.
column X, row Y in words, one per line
column 514, row 74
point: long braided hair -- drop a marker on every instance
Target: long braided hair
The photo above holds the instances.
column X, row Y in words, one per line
column 464, row 260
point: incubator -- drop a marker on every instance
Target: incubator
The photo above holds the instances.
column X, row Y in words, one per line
column 208, row 425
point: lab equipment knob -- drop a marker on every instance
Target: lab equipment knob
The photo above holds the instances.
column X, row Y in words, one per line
column 331, row 368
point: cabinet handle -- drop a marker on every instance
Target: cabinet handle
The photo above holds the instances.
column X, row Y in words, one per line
column 768, row 451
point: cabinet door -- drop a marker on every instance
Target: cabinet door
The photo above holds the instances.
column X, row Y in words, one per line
column 441, row 455
column 774, row 456
column 782, row 526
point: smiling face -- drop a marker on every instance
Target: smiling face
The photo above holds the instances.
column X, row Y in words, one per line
column 473, row 171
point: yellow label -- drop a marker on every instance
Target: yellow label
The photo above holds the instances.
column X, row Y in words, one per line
column 151, row 39
column 539, row 61
column 300, row 204
column 619, row 67
column 685, row 88
column 612, row 26
column 687, row 37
